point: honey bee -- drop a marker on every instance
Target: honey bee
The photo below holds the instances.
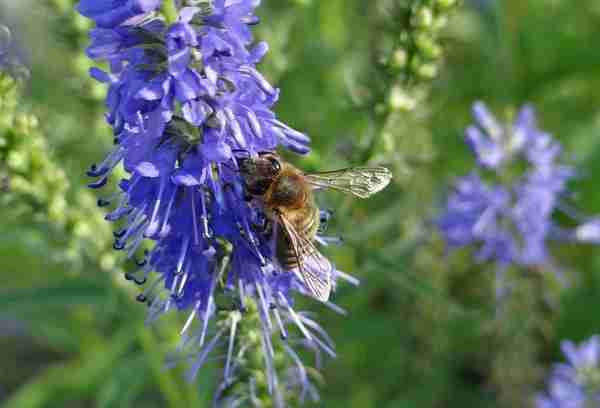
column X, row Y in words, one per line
column 286, row 196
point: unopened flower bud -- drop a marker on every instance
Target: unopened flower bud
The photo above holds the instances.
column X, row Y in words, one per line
column 400, row 100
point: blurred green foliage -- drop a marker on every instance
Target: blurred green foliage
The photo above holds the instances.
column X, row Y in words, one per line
column 360, row 78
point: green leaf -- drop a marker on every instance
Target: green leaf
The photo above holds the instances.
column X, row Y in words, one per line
column 67, row 382
column 62, row 295
column 126, row 381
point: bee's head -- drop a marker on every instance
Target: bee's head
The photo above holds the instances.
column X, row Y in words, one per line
column 259, row 172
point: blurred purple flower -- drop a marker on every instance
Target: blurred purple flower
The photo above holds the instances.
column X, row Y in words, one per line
column 182, row 99
column 508, row 215
column 589, row 231
column 12, row 57
column 575, row 384
column 5, row 40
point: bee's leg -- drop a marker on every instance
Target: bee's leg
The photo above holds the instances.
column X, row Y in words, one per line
column 264, row 226
column 324, row 217
column 268, row 227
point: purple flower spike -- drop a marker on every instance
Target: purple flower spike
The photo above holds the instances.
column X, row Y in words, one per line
column 504, row 209
column 185, row 100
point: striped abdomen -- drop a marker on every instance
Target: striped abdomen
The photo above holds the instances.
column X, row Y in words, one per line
column 306, row 223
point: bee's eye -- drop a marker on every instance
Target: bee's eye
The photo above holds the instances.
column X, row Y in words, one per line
column 275, row 165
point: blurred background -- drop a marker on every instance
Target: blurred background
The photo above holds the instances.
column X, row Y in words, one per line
column 369, row 83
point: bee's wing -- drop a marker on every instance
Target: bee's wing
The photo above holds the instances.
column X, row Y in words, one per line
column 314, row 268
column 361, row 182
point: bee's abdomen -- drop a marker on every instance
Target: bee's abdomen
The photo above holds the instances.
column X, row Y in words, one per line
column 306, row 224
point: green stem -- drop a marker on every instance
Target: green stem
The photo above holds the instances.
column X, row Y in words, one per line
column 167, row 385
column 169, row 11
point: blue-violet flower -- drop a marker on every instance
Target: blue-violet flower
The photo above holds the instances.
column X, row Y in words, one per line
column 505, row 207
column 182, row 99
